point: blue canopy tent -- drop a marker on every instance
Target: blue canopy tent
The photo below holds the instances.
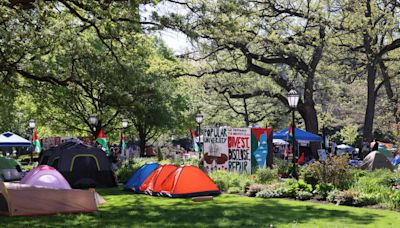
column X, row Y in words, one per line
column 9, row 139
column 300, row 135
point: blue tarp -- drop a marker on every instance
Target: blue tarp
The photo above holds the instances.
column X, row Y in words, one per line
column 140, row 176
column 395, row 161
column 298, row 134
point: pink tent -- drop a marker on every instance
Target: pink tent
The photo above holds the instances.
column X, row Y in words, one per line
column 45, row 176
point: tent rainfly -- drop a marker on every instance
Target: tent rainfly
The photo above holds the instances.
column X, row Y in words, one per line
column 26, row 200
column 9, row 139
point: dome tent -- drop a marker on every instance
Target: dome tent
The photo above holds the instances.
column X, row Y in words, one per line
column 376, row 160
column 153, row 183
column 137, row 179
column 82, row 165
column 45, row 176
column 188, row 181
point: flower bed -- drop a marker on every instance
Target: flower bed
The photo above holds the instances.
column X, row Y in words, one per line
column 332, row 181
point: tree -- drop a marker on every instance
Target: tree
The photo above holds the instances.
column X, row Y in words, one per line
column 369, row 41
column 247, row 96
column 260, row 37
column 349, row 134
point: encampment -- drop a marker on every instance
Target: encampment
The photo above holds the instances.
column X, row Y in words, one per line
column 137, row 179
column 26, row 200
column 188, row 181
column 9, row 169
column 45, row 176
column 376, row 160
column 82, row 165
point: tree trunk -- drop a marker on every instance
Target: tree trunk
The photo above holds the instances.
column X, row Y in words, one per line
column 142, row 146
column 246, row 113
column 370, row 110
column 309, row 114
column 143, row 139
column 397, row 117
column 371, row 71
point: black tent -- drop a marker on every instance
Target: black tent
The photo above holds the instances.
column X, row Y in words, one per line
column 81, row 165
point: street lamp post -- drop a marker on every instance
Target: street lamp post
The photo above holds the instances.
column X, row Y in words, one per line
column 199, row 120
column 124, row 126
column 93, row 121
column 293, row 100
column 32, row 125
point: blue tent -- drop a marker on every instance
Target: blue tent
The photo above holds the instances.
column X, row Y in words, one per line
column 298, row 134
column 140, row 176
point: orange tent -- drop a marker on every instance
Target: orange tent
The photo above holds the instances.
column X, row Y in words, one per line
column 149, row 179
column 162, row 172
column 188, row 181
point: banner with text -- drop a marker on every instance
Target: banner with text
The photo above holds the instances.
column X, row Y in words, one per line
column 215, row 148
column 239, row 150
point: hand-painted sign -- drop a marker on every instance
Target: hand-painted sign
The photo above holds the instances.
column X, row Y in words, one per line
column 239, row 150
column 259, row 146
column 215, row 149
column 236, row 149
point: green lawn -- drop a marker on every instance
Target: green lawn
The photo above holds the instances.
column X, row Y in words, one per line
column 129, row 210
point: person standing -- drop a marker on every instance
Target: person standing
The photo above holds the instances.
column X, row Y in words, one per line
column 333, row 150
column 375, row 145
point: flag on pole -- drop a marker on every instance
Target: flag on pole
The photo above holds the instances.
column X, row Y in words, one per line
column 36, row 143
column 195, row 142
column 301, row 159
column 101, row 140
column 290, row 132
column 123, row 144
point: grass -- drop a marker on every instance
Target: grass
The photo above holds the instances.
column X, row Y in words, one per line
column 129, row 210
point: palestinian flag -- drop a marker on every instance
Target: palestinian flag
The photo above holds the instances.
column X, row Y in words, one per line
column 301, row 159
column 122, row 144
column 101, row 140
column 36, row 143
column 195, row 142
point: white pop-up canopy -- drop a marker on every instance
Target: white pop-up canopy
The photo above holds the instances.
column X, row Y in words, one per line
column 9, row 139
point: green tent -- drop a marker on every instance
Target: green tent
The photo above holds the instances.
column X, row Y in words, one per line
column 9, row 169
column 8, row 163
column 387, row 152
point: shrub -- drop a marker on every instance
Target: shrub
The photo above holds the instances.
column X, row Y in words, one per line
column 303, row 195
column 267, row 175
column 322, row 190
column 255, row 188
column 225, row 180
column 234, row 190
column 331, row 197
column 393, row 199
column 378, row 183
column 363, row 199
column 334, row 170
column 345, row 197
column 129, row 167
column 291, row 186
column 268, row 193
column 283, row 170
